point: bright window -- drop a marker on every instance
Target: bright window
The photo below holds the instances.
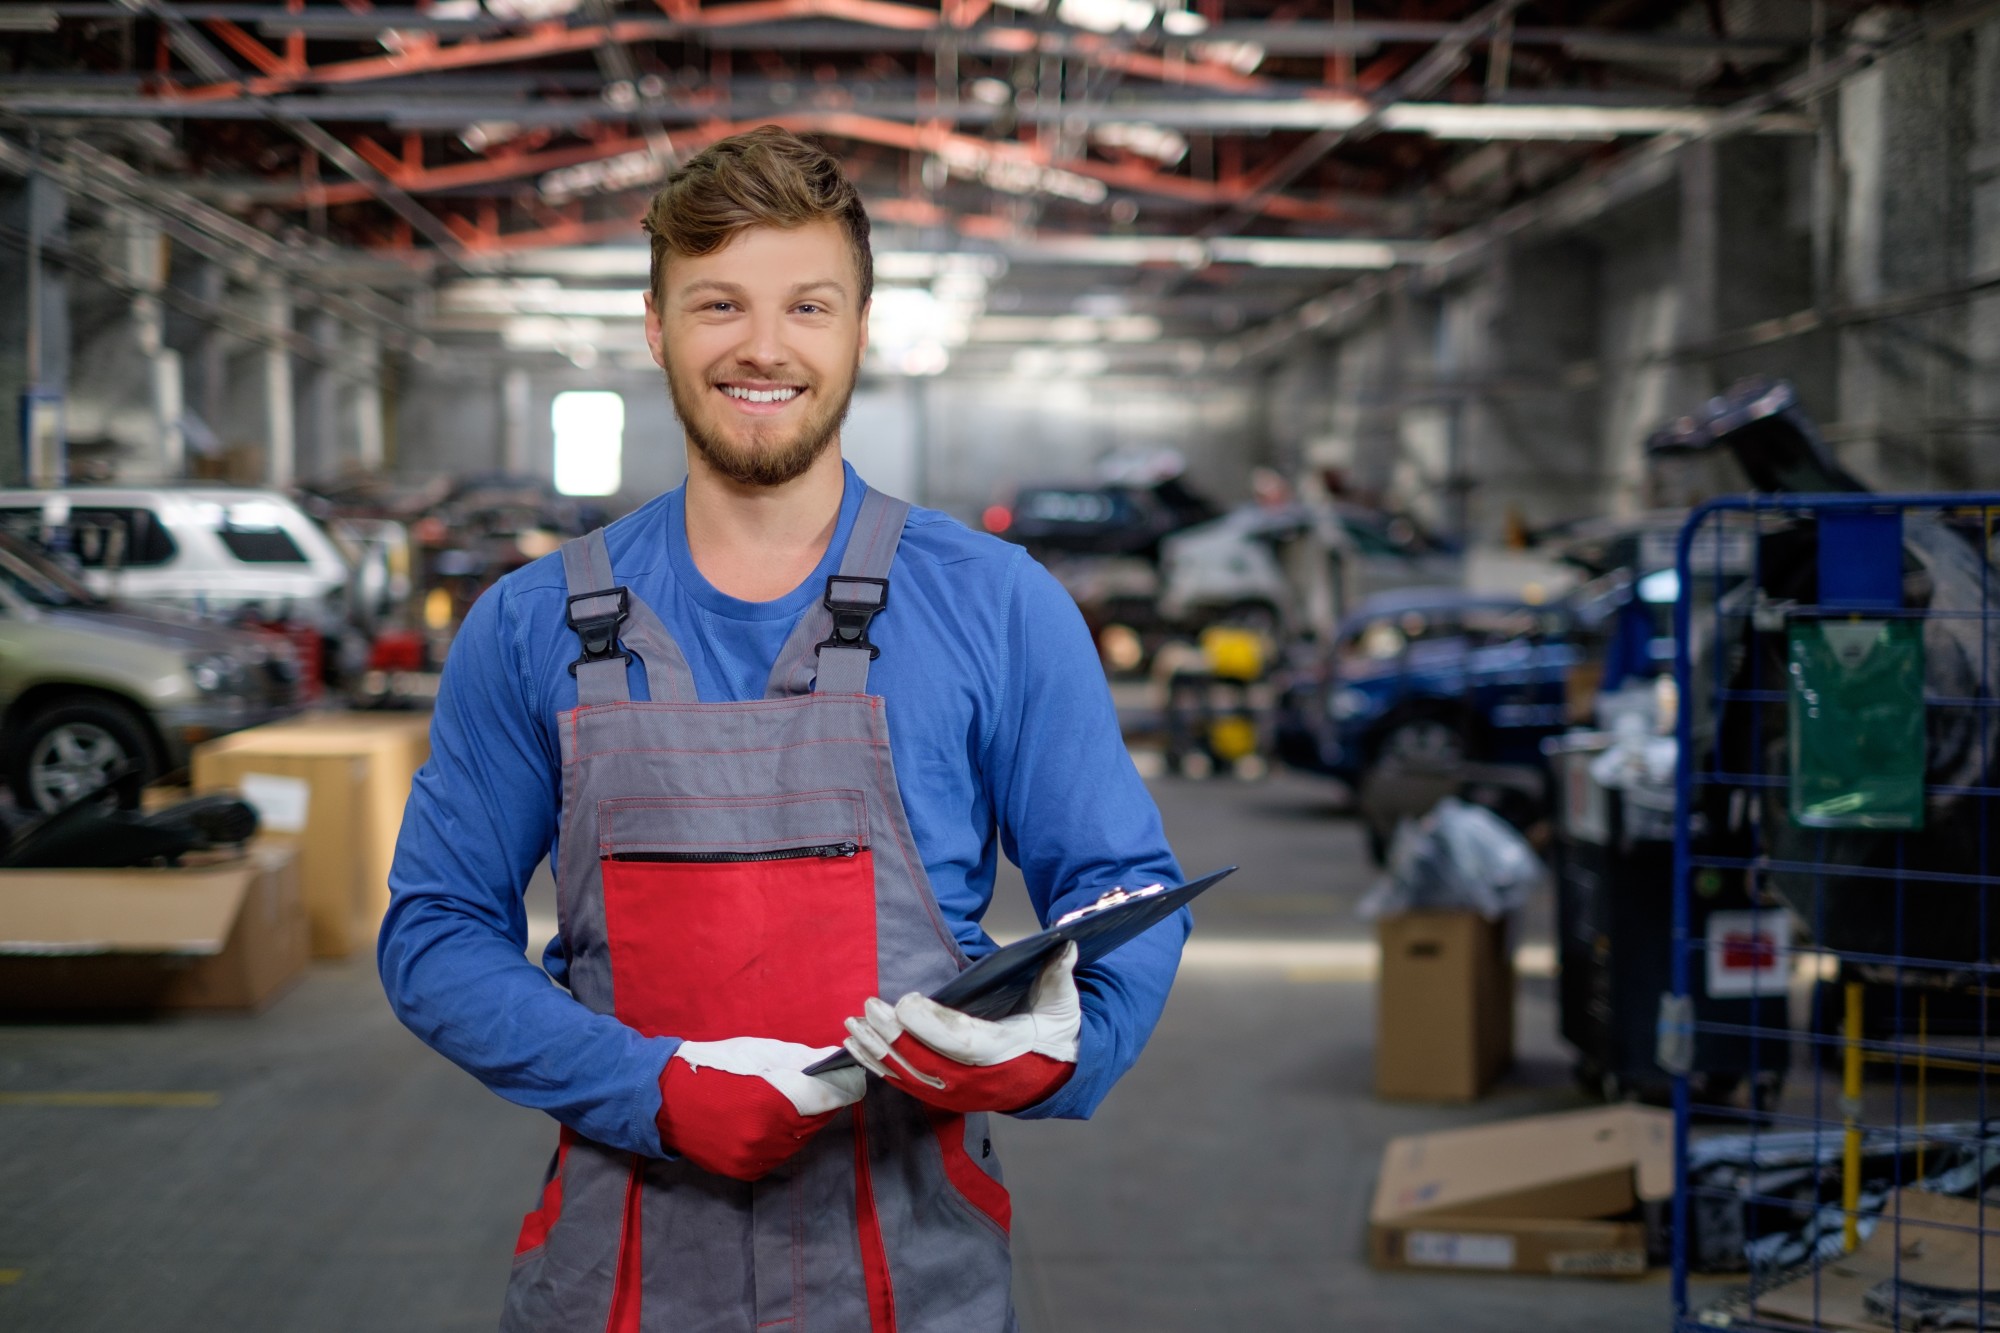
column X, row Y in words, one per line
column 590, row 441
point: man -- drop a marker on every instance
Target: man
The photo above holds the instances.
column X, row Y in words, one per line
column 690, row 714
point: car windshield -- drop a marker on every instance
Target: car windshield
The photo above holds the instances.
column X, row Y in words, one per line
column 38, row 579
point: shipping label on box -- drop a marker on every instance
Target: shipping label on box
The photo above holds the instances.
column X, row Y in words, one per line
column 1457, row 1249
column 282, row 804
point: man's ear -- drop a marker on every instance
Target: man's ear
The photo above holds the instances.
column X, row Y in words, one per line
column 861, row 345
column 656, row 335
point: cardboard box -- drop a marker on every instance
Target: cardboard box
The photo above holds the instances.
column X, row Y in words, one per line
column 1444, row 1006
column 1920, row 1241
column 337, row 783
column 1549, row 1194
column 229, row 934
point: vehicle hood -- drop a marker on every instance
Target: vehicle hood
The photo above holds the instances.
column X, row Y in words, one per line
column 157, row 630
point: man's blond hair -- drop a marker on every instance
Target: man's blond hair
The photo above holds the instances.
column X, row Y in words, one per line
column 768, row 177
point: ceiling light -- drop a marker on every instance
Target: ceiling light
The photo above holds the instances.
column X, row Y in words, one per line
column 1183, row 23
column 1303, row 253
column 36, row 18
column 606, row 175
column 1164, row 146
column 1243, row 57
column 1453, row 120
column 926, row 358
column 1138, row 15
column 488, row 134
column 527, row 11
column 990, row 92
column 1104, row 16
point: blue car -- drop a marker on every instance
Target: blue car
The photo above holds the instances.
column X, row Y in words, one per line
column 1433, row 674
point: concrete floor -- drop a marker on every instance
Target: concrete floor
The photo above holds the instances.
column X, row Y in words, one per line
column 338, row 1176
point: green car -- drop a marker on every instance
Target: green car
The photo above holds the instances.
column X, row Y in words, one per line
column 91, row 688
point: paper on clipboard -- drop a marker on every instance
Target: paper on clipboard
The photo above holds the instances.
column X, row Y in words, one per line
column 998, row 984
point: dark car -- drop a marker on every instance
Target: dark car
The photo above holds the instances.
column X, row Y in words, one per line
column 1108, row 518
column 1430, row 674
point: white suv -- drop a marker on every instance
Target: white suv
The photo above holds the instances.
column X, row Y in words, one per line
column 213, row 550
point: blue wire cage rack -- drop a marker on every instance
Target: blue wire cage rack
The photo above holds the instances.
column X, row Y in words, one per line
column 1836, row 659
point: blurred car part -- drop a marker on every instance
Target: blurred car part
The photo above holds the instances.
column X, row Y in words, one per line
column 1428, row 677
column 217, row 551
column 1294, row 569
column 90, row 688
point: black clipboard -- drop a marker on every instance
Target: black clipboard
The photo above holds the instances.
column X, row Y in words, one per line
column 998, row 984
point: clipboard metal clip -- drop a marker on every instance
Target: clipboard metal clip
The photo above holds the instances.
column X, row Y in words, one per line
column 1111, row 899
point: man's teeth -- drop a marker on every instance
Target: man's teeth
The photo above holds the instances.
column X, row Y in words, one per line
column 761, row 395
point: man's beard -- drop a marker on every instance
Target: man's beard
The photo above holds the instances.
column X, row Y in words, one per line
column 767, row 462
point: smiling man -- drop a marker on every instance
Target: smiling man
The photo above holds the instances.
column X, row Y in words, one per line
column 772, row 730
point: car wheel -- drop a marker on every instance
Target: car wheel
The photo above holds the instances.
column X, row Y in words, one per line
column 1422, row 740
column 75, row 746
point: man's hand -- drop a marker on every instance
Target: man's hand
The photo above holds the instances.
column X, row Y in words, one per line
column 956, row 1062
column 740, row 1107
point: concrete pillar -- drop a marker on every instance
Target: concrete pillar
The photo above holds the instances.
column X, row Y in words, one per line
column 280, row 438
column 34, row 333
column 1983, row 315
column 1904, row 141
column 320, row 428
column 517, row 430
column 159, row 454
column 1700, row 265
column 1519, row 425
column 365, row 401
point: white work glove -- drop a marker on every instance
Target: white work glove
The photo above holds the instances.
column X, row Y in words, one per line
column 956, row 1062
column 741, row 1107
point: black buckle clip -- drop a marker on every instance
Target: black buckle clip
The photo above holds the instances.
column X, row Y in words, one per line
column 851, row 613
column 599, row 633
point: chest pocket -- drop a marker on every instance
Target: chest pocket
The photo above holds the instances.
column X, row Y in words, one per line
column 739, row 916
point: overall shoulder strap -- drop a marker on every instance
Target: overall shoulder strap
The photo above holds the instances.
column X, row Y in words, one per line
column 830, row 641
column 612, row 626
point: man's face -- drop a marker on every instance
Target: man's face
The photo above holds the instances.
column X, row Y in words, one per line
column 761, row 342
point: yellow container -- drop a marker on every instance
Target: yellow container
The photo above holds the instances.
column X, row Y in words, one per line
column 1233, row 654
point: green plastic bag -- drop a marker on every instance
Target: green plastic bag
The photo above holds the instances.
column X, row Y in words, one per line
column 1857, row 723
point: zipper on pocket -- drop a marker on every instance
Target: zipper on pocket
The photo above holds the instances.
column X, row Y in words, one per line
column 823, row 850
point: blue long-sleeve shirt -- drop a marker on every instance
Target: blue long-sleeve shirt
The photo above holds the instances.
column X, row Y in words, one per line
column 1004, row 739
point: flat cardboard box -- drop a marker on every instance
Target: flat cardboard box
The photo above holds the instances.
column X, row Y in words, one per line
column 1942, row 1243
column 1546, row 1194
column 1444, row 1006
column 357, row 769
column 226, row 934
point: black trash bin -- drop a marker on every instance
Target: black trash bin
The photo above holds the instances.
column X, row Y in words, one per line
column 1614, row 863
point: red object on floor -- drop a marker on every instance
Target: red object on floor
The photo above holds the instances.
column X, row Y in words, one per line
column 397, row 650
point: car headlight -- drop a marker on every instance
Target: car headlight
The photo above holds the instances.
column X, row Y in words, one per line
column 217, row 671
column 1349, row 703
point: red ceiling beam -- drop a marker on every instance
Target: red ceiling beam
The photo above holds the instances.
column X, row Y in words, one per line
column 1132, row 176
column 423, row 54
column 252, row 50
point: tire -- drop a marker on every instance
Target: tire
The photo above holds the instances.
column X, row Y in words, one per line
column 1423, row 737
column 71, row 745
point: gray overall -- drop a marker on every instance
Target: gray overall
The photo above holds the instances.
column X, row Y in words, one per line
column 747, row 870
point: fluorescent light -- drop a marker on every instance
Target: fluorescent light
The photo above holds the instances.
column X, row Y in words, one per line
column 1288, row 253
column 579, row 261
column 1452, row 120
column 28, row 18
column 1243, row 57
column 540, row 296
column 1104, row 16
column 1046, row 363
column 1163, row 145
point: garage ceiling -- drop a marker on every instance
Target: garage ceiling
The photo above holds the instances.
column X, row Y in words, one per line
column 1022, row 159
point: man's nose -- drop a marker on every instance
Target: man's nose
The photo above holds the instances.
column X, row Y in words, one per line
column 763, row 343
